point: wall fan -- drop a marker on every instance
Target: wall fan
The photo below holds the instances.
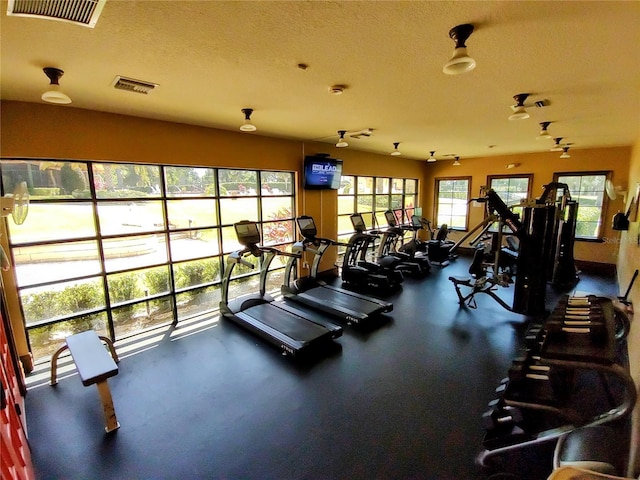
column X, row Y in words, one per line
column 17, row 204
column 614, row 190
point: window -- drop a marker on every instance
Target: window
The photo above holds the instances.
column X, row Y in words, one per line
column 372, row 196
column 511, row 189
column 588, row 189
column 120, row 248
column 452, row 203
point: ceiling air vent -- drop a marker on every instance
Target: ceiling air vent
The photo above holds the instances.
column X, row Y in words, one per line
column 79, row 12
column 135, row 86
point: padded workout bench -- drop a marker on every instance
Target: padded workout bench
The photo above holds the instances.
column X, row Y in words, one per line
column 94, row 366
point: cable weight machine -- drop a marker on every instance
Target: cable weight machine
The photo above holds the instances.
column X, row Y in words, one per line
column 543, row 249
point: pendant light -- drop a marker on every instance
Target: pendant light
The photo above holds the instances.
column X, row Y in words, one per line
column 341, row 141
column 54, row 94
column 456, row 162
column 460, row 61
column 565, row 153
column 543, row 131
column 519, row 112
column 557, row 147
column 395, row 151
column 247, row 126
column 432, row 157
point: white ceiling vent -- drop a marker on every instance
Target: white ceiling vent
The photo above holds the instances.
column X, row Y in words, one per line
column 135, row 86
column 79, row 12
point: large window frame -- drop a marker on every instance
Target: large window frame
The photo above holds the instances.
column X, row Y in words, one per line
column 506, row 186
column 153, row 241
column 589, row 216
column 372, row 196
column 448, row 189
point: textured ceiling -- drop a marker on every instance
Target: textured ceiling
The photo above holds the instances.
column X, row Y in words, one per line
column 212, row 58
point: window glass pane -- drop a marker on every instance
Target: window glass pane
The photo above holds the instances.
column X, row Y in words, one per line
column 230, row 240
column 197, row 272
column 278, row 232
column 121, row 180
column 203, row 244
column 190, row 181
column 346, row 185
column 56, row 261
column 275, row 280
column 130, row 319
column 452, row 203
column 345, row 204
column 365, row 185
column 410, row 186
column 381, row 220
column 344, row 224
column 588, row 190
column 66, row 298
column 138, row 284
column 54, row 221
column 409, row 204
column 382, row 202
column 47, row 179
column 190, row 213
column 132, row 252
column 397, row 185
column 45, row 340
column 396, row 201
column 118, row 218
column 382, row 185
column 365, row 203
column 276, row 183
column 237, row 182
column 274, row 208
column 196, row 302
column 233, row 210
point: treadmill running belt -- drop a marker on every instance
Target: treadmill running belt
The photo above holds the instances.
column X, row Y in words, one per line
column 342, row 299
column 291, row 325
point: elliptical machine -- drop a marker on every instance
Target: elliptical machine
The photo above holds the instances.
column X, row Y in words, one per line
column 391, row 245
column 358, row 270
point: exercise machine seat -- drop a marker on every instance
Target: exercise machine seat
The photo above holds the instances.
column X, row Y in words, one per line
column 596, row 448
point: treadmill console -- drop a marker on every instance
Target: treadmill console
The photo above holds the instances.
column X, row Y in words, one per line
column 307, row 226
column 358, row 222
column 247, row 232
column 391, row 218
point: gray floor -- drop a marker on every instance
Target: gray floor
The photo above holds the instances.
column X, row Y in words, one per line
column 209, row 400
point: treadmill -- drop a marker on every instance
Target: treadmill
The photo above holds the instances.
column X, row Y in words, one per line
column 293, row 331
column 348, row 306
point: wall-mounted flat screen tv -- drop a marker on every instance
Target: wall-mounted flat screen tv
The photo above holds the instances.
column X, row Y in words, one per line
column 322, row 172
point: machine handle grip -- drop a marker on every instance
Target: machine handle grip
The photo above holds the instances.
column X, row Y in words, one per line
column 246, row 263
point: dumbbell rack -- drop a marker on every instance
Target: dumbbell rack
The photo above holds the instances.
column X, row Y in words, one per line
column 578, row 338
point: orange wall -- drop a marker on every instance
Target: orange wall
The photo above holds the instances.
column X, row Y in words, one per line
column 542, row 166
column 628, row 262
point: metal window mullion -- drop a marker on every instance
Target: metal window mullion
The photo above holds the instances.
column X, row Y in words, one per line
column 167, row 243
column 101, row 255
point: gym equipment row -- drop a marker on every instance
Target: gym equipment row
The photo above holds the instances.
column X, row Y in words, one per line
column 300, row 328
column 571, row 373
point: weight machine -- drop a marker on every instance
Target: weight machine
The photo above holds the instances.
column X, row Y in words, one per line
column 544, row 241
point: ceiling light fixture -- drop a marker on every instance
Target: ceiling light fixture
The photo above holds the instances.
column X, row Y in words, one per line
column 247, row 126
column 432, row 157
column 54, row 94
column 543, row 131
column 341, row 141
column 557, row 147
column 456, row 162
column 460, row 61
column 565, row 153
column 395, row 151
column 519, row 112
